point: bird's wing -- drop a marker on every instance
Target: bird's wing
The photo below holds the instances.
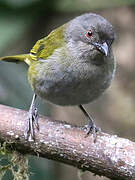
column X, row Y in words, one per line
column 46, row 46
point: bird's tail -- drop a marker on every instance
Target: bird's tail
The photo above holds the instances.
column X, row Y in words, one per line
column 27, row 58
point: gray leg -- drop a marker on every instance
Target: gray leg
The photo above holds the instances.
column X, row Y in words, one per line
column 33, row 120
column 91, row 127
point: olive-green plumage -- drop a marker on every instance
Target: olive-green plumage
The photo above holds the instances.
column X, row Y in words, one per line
column 42, row 49
column 45, row 47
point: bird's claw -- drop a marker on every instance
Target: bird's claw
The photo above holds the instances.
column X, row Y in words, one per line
column 93, row 129
column 32, row 121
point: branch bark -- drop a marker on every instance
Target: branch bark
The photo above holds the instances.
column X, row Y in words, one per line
column 110, row 156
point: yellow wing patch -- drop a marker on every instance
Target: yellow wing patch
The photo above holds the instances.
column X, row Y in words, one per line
column 46, row 46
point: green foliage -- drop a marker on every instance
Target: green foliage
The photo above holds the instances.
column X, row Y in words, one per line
column 16, row 164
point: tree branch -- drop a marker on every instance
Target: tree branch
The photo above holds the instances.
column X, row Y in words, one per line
column 110, row 156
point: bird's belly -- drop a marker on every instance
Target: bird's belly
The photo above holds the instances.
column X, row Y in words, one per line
column 63, row 88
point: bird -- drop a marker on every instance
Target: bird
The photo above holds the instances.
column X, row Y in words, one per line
column 72, row 66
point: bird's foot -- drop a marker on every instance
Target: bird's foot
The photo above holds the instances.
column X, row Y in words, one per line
column 93, row 129
column 90, row 127
column 32, row 122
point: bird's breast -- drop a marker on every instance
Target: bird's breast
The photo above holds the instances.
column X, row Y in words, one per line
column 69, row 83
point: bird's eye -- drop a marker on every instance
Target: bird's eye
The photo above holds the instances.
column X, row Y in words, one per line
column 89, row 33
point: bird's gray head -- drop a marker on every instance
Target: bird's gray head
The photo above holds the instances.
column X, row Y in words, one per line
column 89, row 35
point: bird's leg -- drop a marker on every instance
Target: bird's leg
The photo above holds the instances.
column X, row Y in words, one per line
column 33, row 120
column 91, row 127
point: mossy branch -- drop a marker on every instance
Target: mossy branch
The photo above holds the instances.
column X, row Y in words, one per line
column 110, row 156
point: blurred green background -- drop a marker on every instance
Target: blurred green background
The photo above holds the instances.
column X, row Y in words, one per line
column 22, row 23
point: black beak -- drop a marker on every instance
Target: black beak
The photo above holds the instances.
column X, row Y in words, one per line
column 103, row 48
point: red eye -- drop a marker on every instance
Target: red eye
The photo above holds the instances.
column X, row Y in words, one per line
column 89, row 33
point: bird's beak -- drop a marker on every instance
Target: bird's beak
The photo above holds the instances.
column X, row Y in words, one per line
column 103, row 48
